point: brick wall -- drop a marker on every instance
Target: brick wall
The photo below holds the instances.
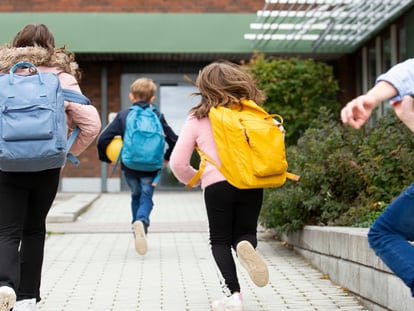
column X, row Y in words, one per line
column 167, row 6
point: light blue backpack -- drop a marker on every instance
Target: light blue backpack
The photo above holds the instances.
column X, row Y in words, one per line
column 144, row 140
column 33, row 130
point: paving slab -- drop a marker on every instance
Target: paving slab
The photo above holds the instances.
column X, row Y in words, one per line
column 91, row 264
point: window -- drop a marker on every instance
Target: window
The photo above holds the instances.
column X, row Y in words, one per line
column 174, row 101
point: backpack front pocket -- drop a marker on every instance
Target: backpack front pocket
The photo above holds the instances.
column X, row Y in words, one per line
column 27, row 122
column 267, row 150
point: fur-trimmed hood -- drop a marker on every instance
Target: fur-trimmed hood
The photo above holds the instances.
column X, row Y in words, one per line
column 39, row 56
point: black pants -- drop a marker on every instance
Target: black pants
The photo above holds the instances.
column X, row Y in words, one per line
column 25, row 200
column 232, row 215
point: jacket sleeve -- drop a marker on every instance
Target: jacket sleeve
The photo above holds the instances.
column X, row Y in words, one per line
column 171, row 137
column 113, row 129
column 86, row 117
column 182, row 153
column 401, row 76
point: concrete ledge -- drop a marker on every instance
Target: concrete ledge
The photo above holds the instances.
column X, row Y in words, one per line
column 67, row 207
column 343, row 254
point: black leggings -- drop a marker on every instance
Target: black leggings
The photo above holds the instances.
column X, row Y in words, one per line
column 232, row 215
column 25, row 201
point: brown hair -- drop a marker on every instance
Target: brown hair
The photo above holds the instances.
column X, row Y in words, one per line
column 143, row 89
column 223, row 83
column 35, row 35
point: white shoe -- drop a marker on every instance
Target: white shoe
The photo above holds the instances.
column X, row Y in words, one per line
column 140, row 238
column 7, row 298
column 252, row 262
column 231, row 303
column 25, row 305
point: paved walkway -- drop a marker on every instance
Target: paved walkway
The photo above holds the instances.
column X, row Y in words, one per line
column 91, row 264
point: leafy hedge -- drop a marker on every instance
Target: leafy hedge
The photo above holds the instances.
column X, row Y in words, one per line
column 347, row 176
column 295, row 88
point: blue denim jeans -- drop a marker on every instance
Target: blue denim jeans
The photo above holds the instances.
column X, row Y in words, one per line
column 390, row 234
column 141, row 197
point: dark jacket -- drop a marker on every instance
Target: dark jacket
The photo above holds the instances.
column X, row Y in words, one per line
column 117, row 127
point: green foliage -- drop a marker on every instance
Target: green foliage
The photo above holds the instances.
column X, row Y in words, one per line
column 347, row 176
column 295, row 88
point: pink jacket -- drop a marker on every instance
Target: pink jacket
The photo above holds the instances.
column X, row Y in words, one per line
column 195, row 133
column 86, row 117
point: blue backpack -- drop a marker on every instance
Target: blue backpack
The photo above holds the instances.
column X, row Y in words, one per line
column 144, row 140
column 33, row 130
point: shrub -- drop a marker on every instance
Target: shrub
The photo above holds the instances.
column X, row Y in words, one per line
column 347, row 176
column 295, row 88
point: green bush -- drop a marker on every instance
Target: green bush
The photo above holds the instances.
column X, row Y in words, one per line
column 295, row 88
column 347, row 176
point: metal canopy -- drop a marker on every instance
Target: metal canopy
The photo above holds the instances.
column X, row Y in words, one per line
column 334, row 26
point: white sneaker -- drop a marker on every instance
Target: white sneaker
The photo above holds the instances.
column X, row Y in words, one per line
column 25, row 305
column 231, row 303
column 7, row 298
column 140, row 238
column 252, row 262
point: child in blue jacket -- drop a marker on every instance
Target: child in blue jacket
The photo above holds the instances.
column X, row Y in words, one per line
column 140, row 182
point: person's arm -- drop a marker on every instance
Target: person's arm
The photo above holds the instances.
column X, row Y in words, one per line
column 401, row 76
column 170, row 137
column 394, row 84
column 357, row 111
column 113, row 129
column 183, row 150
column 86, row 117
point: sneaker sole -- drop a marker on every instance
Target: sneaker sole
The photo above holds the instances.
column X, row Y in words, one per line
column 140, row 239
column 7, row 300
column 252, row 262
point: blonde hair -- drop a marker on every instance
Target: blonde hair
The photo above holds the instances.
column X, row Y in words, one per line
column 143, row 89
column 223, row 83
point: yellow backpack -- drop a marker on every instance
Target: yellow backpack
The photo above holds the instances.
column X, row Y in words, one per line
column 251, row 147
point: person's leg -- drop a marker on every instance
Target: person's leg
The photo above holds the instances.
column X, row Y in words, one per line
column 390, row 233
column 220, row 204
column 141, row 193
column 135, row 187
column 44, row 186
column 245, row 235
column 12, row 207
column 249, row 204
column 146, row 203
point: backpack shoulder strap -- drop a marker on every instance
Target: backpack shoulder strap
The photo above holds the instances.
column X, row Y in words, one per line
column 203, row 160
column 156, row 110
column 76, row 97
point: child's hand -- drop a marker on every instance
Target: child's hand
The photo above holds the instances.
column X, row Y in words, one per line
column 357, row 111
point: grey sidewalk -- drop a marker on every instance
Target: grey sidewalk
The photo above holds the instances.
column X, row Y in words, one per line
column 91, row 264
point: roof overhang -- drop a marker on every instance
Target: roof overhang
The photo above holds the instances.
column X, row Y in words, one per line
column 321, row 26
column 141, row 36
